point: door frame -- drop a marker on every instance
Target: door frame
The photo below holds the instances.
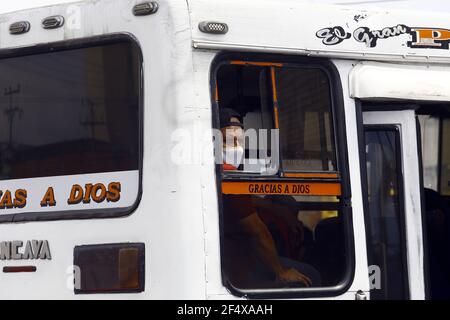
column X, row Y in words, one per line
column 401, row 197
column 412, row 182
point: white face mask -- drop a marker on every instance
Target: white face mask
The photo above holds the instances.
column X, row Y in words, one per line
column 233, row 156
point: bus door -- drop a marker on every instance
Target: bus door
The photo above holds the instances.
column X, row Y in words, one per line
column 393, row 208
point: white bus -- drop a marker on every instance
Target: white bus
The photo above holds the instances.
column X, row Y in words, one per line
column 109, row 182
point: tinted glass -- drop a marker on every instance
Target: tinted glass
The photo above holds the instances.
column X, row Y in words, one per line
column 445, row 158
column 385, row 220
column 266, row 237
column 247, row 90
column 305, row 120
column 70, row 112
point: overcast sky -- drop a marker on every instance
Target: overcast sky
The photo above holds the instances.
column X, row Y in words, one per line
column 430, row 5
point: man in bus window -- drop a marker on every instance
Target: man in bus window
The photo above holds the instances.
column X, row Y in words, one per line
column 250, row 255
column 232, row 133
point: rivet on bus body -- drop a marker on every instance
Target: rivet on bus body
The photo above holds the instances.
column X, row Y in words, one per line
column 53, row 22
column 19, row 27
column 145, row 8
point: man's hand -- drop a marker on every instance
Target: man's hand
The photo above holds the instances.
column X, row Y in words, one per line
column 292, row 275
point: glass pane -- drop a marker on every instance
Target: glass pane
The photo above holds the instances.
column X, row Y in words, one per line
column 305, row 120
column 430, row 150
column 70, row 112
column 437, row 206
column 445, row 158
column 386, row 243
column 246, row 90
column 269, row 240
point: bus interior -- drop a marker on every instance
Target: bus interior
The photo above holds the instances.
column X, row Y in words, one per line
column 386, row 216
column 435, row 139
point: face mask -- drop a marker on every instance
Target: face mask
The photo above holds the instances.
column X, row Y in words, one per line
column 233, row 156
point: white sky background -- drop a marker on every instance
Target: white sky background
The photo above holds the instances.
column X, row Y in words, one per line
column 427, row 5
column 422, row 5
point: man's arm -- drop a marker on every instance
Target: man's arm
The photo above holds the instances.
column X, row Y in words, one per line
column 290, row 220
column 266, row 250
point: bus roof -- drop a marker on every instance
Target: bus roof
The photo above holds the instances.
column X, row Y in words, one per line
column 294, row 27
column 21, row 5
column 298, row 27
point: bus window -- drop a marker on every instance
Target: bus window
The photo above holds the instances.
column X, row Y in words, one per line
column 284, row 222
column 70, row 112
column 386, row 219
column 445, row 158
column 435, row 131
column 247, row 91
column 430, row 150
column 434, row 120
column 70, row 130
column 305, row 121
column 272, row 241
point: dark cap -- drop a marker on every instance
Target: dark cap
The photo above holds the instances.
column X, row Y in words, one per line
column 226, row 114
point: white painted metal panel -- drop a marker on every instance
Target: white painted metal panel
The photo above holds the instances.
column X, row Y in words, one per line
column 169, row 218
column 371, row 80
column 291, row 27
column 361, row 277
column 63, row 186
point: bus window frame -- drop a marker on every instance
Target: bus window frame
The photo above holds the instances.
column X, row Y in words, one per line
column 66, row 45
column 338, row 116
column 401, row 201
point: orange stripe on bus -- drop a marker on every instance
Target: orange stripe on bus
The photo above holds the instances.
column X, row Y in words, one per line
column 216, row 98
column 275, row 96
column 274, row 86
column 311, row 175
column 253, row 63
column 275, row 111
column 282, row 188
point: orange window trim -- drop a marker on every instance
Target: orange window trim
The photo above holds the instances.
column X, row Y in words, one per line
column 254, row 63
column 275, row 97
column 275, row 111
column 311, row 175
column 274, row 84
column 216, row 97
column 282, row 188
